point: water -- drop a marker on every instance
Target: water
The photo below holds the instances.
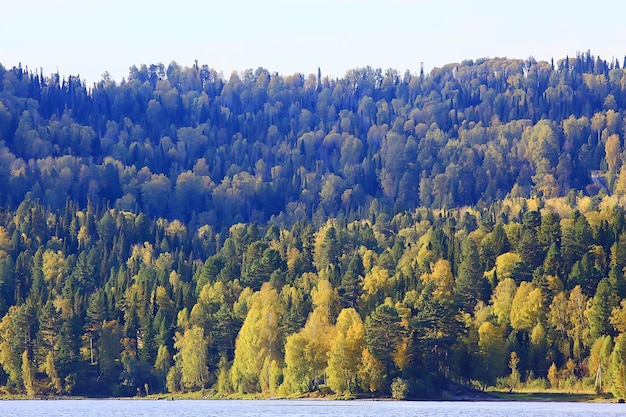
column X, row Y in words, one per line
column 158, row 408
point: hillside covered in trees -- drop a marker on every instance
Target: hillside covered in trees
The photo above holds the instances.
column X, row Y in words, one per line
column 274, row 234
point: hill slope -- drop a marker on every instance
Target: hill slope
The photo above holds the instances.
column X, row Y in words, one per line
column 268, row 233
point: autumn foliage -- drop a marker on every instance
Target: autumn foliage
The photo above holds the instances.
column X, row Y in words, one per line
column 379, row 234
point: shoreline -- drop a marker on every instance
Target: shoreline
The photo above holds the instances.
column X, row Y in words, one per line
column 487, row 396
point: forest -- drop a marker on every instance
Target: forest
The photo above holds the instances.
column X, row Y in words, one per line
column 380, row 234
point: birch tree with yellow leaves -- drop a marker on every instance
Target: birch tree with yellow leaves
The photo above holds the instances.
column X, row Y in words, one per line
column 259, row 343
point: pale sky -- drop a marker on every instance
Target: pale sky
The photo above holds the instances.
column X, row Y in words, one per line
column 87, row 37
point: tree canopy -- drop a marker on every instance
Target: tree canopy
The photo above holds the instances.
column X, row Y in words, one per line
column 267, row 233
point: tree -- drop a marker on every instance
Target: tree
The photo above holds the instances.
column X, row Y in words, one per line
column 296, row 374
column 576, row 238
column 306, row 352
column 441, row 277
column 507, row 265
column 502, row 300
column 28, row 374
column 558, row 320
column 110, row 348
column 493, row 245
column 350, row 287
column 375, row 287
column 49, row 326
column 598, row 311
column 96, row 315
column 345, row 352
column 527, row 307
column 600, row 361
column 15, row 337
column 56, row 385
column 296, row 309
column 577, row 320
column 192, row 352
column 586, row 274
column 327, row 249
column 471, row 285
column 383, row 333
column 492, row 349
column 435, row 326
column 553, row 376
column 620, row 184
column 260, row 338
column 155, row 195
column 515, row 375
column 254, row 273
column 162, row 364
column 399, row 389
column 618, row 367
column 529, row 249
column 612, row 152
column 553, row 262
column 178, row 194
column 371, row 372
column 55, row 268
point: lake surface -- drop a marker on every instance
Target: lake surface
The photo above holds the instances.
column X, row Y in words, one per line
column 215, row 408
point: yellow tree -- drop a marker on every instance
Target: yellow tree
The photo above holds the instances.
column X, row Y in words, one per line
column 492, row 346
column 600, row 360
column 553, row 376
column 527, row 307
column 505, row 265
column 50, row 369
column 345, row 352
column 192, row 353
column 502, row 300
column 548, row 186
column 375, row 285
column 557, row 318
column 441, row 276
column 162, row 364
column 618, row 317
column 326, row 247
column 618, row 367
column 319, row 332
column 578, row 324
column 296, row 371
column 28, row 374
column 612, row 150
column 620, row 185
column 306, row 352
column 55, row 268
column 260, row 337
column 371, row 372
column 11, row 344
column 598, row 121
column 325, row 298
